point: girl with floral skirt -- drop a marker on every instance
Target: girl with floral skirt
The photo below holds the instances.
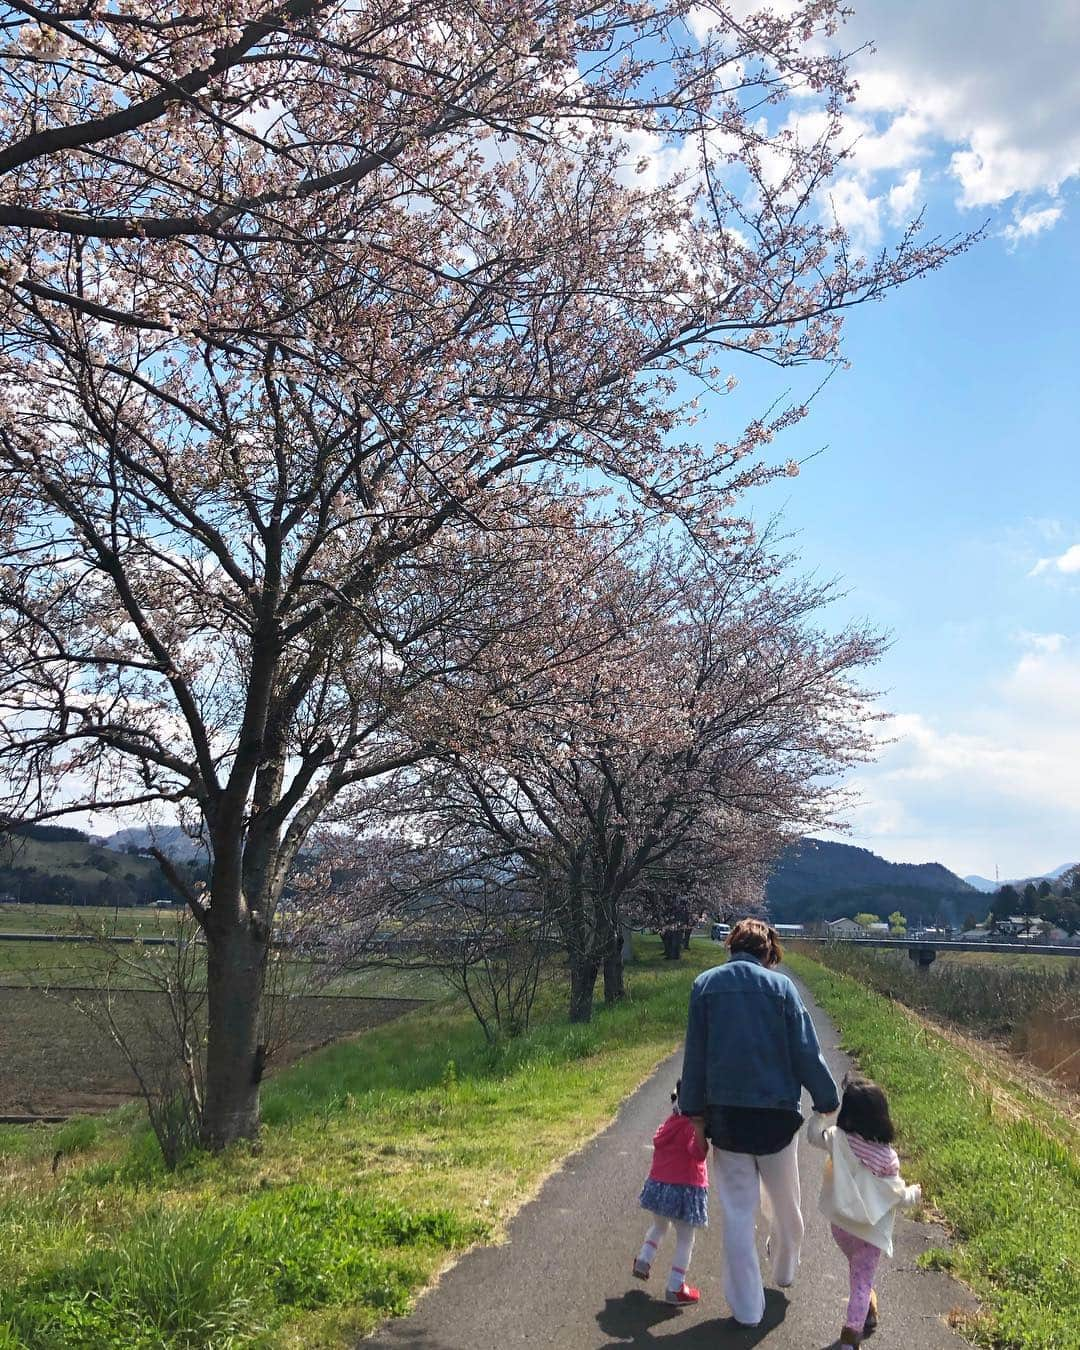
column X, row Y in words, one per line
column 675, row 1193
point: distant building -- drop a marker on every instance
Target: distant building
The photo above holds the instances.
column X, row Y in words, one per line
column 878, row 929
column 842, row 928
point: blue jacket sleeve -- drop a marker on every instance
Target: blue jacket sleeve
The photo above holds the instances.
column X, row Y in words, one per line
column 692, row 1092
column 807, row 1058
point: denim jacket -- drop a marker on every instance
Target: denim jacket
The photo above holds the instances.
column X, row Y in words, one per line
column 750, row 1042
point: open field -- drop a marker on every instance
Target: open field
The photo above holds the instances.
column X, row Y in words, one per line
column 1019, row 960
column 1000, row 1165
column 74, row 965
column 145, row 919
column 59, row 1061
column 381, row 1155
column 60, row 966
column 1029, row 1005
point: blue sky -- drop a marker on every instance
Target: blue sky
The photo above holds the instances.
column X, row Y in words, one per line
column 947, row 498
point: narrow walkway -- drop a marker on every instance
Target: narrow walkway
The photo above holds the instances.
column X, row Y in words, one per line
column 562, row 1280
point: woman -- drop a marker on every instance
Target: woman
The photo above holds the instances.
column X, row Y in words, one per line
column 750, row 1050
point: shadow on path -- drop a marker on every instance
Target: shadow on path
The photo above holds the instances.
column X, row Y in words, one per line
column 630, row 1320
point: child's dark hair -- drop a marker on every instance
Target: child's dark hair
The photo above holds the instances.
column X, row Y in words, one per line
column 865, row 1111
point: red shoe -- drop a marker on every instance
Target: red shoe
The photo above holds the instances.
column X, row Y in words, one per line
column 682, row 1296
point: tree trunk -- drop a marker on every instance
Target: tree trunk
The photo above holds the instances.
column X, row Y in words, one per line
column 627, row 944
column 672, row 945
column 235, row 973
column 582, row 983
column 614, row 983
column 687, row 933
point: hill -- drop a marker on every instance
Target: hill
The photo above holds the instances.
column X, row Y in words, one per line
column 988, row 887
column 817, row 879
column 171, row 839
column 49, row 865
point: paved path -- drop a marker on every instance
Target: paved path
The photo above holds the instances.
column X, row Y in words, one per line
column 562, row 1280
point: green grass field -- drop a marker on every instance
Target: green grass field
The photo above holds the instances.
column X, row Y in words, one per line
column 78, row 859
column 381, row 1157
column 147, row 919
column 63, row 965
column 1001, row 1166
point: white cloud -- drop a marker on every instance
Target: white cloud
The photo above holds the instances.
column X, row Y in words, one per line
column 993, row 85
column 1051, row 643
column 1067, row 563
column 900, row 142
column 998, row 88
column 701, row 20
column 960, row 92
column 997, row 787
column 1027, row 224
column 856, row 211
column 902, row 197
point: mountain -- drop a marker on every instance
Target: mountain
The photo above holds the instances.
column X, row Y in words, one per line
column 817, row 879
column 987, row 887
column 173, row 841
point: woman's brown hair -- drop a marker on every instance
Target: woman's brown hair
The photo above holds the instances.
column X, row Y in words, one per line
column 758, row 938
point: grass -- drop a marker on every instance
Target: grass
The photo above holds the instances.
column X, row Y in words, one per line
column 380, row 1158
column 1020, row 960
column 995, row 997
column 80, row 862
column 1034, row 1008
column 147, row 919
column 1004, row 1176
column 60, row 964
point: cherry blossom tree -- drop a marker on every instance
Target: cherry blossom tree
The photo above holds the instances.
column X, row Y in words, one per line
column 716, row 731
column 315, row 315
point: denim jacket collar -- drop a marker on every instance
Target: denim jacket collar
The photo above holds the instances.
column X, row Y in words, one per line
column 745, row 956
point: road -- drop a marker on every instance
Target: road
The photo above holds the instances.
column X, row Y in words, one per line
column 563, row 1277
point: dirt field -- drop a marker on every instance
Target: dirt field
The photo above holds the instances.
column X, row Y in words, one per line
column 56, row 1060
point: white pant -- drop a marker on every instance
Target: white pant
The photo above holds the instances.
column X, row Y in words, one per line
column 684, row 1247
column 738, row 1178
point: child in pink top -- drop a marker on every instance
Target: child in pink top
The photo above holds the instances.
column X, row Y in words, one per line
column 676, row 1192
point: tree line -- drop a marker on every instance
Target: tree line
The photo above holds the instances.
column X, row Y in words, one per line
column 1057, row 904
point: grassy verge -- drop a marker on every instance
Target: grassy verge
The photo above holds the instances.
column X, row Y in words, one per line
column 1003, row 1176
column 993, row 994
column 381, row 1157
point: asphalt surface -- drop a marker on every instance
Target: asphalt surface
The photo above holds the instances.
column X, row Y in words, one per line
column 563, row 1277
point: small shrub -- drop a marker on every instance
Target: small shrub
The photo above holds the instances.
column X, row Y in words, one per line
column 77, row 1136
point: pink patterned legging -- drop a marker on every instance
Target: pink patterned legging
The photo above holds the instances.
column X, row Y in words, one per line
column 863, row 1260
